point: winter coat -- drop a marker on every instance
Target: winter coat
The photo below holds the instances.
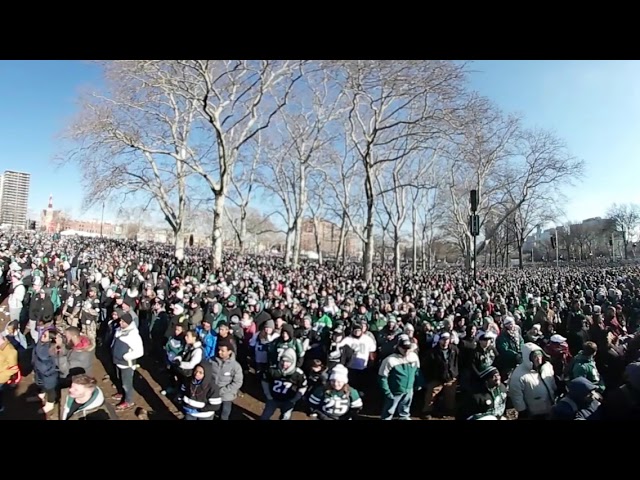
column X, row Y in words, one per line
column 95, row 409
column 532, row 390
column 481, row 401
column 399, row 374
column 127, row 347
column 510, row 350
column 200, row 399
column 440, row 369
column 8, row 362
column 583, row 366
column 573, row 406
column 191, row 356
column 228, row 375
column 77, row 359
column 45, row 365
column 41, row 309
column 209, row 340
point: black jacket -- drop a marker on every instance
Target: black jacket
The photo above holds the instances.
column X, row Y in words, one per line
column 41, row 309
column 440, row 369
column 200, row 397
column 481, row 401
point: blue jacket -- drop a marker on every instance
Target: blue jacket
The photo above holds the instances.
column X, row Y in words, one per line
column 209, row 341
column 44, row 366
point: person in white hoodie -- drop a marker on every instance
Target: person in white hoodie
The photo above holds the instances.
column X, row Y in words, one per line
column 127, row 347
column 532, row 386
column 17, row 296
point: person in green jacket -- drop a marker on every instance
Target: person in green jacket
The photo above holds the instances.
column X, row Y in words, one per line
column 509, row 345
column 399, row 375
column 285, row 341
column 584, row 365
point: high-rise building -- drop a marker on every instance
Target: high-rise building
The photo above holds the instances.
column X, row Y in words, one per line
column 14, row 198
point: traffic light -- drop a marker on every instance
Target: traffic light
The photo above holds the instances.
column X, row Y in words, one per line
column 553, row 242
column 474, row 200
column 611, row 242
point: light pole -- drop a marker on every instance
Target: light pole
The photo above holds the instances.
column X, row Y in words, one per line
column 474, row 227
column 557, row 249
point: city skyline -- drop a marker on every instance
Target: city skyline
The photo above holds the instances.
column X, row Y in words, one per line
column 591, row 104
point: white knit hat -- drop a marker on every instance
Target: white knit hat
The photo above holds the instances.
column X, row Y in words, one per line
column 340, row 374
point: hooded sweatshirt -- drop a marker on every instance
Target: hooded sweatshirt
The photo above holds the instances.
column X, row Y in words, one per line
column 285, row 385
column 200, row 398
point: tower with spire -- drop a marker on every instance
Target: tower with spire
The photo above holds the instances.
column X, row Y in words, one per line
column 48, row 217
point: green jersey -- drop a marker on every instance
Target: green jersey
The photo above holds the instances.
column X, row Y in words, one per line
column 330, row 404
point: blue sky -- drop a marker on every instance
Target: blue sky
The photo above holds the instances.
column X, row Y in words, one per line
column 593, row 105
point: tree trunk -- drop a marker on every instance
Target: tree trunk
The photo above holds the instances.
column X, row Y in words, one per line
column 216, row 246
column 396, row 251
column 520, row 261
column 340, row 253
column 242, row 234
column 302, row 195
column 297, row 240
column 316, row 235
column 367, row 258
column 288, row 246
column 179, row 243
column 414, row 247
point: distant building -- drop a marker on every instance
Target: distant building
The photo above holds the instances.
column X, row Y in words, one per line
column 90, row 226
column 14, row 198
column 329, row 234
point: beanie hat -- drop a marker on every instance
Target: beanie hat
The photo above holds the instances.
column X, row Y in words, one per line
column 340, row 374
column 269, row 324
column 126, row 318
column 488, row 372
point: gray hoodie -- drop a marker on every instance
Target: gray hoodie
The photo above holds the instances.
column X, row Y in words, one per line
column 228, row 376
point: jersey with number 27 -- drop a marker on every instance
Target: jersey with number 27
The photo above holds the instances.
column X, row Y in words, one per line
column 284, row 387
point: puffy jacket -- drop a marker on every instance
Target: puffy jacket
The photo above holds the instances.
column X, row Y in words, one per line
column 78, row 358
column 530, row 389
column 228, row 375
column 127, row 347
column 399, row 374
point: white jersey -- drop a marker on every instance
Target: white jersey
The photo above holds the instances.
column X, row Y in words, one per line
column 362, row 348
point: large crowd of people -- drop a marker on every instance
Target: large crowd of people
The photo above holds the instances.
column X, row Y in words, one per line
column 534, row 344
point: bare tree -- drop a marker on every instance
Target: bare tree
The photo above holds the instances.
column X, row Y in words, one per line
column 317, row 207
column 390, row 101
column 236, row 100
column 477, row 160
column 395, row 192
column 343, row 202
column 627, row 220
column 134, row 138
column 243, row 185
column 536, row 210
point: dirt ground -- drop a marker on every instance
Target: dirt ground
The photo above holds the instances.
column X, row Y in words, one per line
column 148, row 382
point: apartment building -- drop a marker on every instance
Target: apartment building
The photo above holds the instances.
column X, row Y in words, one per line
column 14, row 198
